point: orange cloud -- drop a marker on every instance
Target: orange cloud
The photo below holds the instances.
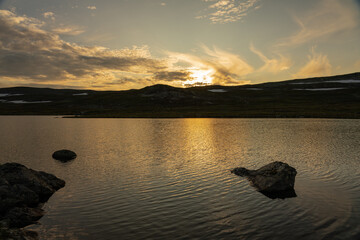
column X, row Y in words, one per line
column 226, row 11
column 357, row 65
column 221, row 66
column 68, row 30
column 318, row 65
column 49, row 15
column 272, row 65
column 31, row 55
column 329, row 17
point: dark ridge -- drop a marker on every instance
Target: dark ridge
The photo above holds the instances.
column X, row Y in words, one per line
column 290, row 99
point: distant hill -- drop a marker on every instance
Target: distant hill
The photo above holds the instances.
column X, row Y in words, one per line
column 322, row 97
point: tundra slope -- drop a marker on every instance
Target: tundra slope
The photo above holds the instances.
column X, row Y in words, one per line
column 323, row 97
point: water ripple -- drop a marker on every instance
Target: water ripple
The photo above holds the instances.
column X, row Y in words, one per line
column 170, row 178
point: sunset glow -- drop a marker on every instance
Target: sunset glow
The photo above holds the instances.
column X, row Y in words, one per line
column 179, row 119
column 199, row 78
column 121, row 45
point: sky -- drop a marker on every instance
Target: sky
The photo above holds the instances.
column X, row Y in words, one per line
column 127, row 44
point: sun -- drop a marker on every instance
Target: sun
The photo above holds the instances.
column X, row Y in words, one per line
column 199, row 78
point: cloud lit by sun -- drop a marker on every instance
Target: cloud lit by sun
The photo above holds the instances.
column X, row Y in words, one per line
column 213, row 66
column 199, row 77
column 230, row 42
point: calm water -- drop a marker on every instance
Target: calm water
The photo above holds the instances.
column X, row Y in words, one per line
column 170, row 178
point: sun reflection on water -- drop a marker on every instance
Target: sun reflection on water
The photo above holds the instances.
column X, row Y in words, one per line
column 163, row 178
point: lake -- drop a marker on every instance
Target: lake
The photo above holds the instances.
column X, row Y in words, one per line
column 170, row 178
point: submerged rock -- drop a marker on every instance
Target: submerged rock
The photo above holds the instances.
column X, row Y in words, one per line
column 64, row 155
column 275, row 180
column 22, row 191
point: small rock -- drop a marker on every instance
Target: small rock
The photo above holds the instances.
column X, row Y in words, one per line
column 64, row 155
column 275, row 180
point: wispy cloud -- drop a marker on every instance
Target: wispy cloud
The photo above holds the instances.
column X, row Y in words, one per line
column 331, row 16
column 29, row 54
column 357, row 65
column 49, row 15
column 91, row 7
column 226, row 11
column 221, row 66
column 318, row 65
column 68, row 30
column 32, row 56
column 273, row 65
column 168, row 76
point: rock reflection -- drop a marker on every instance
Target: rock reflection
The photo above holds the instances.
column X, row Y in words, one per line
column 170, row 179
column 280, row 194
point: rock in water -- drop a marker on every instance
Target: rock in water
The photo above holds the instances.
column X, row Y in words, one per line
column 22, row 190
column 64, row 155
column 275, row 180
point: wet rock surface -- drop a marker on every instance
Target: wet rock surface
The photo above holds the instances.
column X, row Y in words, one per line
column 64, row 155
column 274, row 180
column 17, row 234
column 22, row 193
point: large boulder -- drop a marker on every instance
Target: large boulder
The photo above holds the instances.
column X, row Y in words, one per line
column 275, row 180
column 64, row 155
column 22, row 190
column 16, row 233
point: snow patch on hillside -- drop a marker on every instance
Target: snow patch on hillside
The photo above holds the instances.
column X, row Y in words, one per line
column 9, row 95
column 344, row 81
column 318, row 89
column 25, row 102
column 217, row 90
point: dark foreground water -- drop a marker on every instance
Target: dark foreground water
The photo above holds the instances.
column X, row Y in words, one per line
column 170, row 178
